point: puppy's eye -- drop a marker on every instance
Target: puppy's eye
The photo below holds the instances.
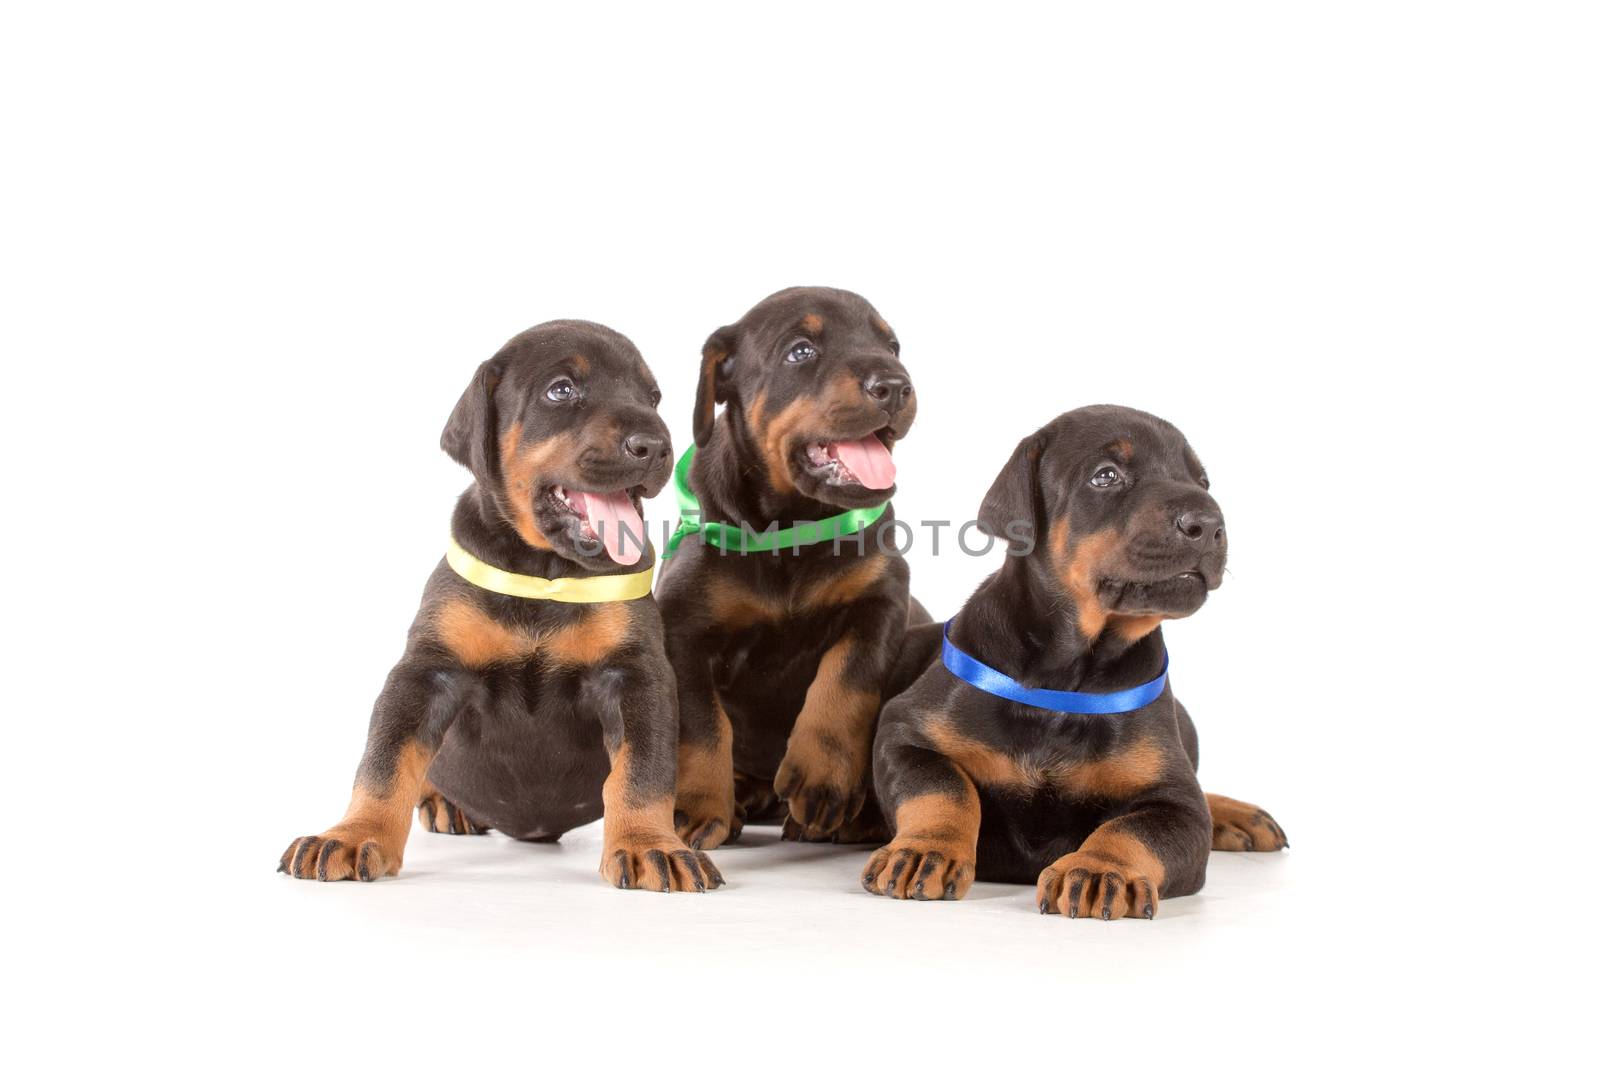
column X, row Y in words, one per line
column 1205, row 481
column 800, row 352
column 894, row 346
column 655, row 398
column 561, row 390
column 1106, row 477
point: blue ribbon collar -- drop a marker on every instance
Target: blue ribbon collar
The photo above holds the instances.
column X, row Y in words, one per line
column 980, row 675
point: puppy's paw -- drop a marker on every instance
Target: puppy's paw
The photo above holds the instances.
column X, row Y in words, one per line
column 824, row 784
column 1089, row 886
column 437, row 815
column 342, row 853
column 918, row 869
column 705, row 823
column 1240, row 827
column 661, row 864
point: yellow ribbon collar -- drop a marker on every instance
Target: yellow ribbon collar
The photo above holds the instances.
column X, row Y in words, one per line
column 600, row 589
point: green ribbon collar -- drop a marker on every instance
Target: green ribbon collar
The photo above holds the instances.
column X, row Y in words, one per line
column 737, row 539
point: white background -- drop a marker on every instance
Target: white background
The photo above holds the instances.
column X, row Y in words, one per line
column 251, row 257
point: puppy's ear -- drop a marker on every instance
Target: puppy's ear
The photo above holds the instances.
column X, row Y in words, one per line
column 1013, row 508
column 469, row 436
column 716, row 363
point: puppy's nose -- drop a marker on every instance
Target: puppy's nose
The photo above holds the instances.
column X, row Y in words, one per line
column 1200, row 526
column 646, row 446
column 889, row 391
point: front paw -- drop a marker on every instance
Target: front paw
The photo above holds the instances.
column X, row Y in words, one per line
column 1085, row 885
column 661, row 864
column 342, row 853
column 705, row 824
column 1240, row 827
column 918, row 869
column 824, row 787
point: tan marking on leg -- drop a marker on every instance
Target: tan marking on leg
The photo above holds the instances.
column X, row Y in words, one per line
column 704, row 810
column 370, row 841
column 640, row 849
column 933, row 855
column 825, row 770
column 1112, row 874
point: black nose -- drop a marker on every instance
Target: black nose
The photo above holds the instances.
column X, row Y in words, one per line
column 646, row 446
column 1199, row 525
column 889, row 391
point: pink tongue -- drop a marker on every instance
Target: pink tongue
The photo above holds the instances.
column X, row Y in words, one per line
column 868, row 460
column 610, row 515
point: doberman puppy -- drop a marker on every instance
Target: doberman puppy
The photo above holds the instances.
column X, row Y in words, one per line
column 534, row 684
column 1112, row 530
column 781, row 656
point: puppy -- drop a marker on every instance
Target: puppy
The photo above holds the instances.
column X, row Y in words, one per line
column 534, row 685
column 781, row 655
column 1114, row 530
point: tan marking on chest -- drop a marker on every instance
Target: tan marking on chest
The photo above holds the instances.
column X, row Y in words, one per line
column 846, row 587
column 478, row 641
column 601, row 631
column 735, row 607
column 1120, row 775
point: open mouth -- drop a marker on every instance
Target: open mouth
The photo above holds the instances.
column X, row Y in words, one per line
column 613, row 520
column 865, row 462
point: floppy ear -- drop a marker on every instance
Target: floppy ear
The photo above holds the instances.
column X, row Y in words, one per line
column 1015, row 498
column 469, row 436
column 716, row 360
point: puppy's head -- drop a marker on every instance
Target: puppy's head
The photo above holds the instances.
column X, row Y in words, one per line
column 561, row 432
column 1121, row 506
column 813, row 380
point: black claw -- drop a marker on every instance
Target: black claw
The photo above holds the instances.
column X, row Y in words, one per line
column 281, row 868
column 1149, row 912
column 623, row 880
column 364, row 863
column 950, row 891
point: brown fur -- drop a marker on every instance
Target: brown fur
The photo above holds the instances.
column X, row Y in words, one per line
column 934, row 851
column 1240, row 827
column 1079, row 568
column 705, row 790
column 831, row 739
column 1112, row 874
column 369, row 842
column 520, row 468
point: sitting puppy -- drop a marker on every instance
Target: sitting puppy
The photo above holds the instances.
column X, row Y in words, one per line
column 782, row 633
column 1043, row 716
column 534, row 682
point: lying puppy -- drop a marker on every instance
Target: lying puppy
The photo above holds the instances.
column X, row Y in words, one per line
column 781, row 656
column 1095, row 797
column 534, row 682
